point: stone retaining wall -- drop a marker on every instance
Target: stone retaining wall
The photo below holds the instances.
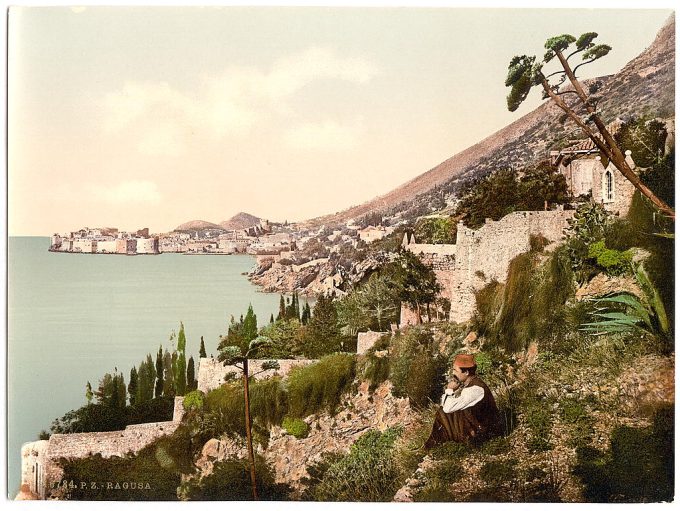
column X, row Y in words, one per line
column 211, row 372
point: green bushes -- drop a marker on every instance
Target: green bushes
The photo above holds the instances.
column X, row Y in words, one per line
column 416, row 367
column 296, row 427
column 613, row 262
column 376, row 369
column 531, row 305
column 101, row 417
column 320, row 387
column 230, row 480
column 368, row 473
column 193, row 400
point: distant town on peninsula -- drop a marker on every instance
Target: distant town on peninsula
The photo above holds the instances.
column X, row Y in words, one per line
column 244, row 233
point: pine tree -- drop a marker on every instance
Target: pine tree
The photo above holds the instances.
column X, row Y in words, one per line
column 201, row 351
column 159, row 372
column 192, row 383
column 132, row 386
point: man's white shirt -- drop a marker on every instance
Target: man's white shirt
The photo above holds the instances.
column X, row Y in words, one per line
column 469, row 396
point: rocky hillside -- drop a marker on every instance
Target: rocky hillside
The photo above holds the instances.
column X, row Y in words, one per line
column 196, row 225
column 645, row 86
column 240, row 221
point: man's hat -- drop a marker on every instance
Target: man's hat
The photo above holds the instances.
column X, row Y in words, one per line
column 464, row 361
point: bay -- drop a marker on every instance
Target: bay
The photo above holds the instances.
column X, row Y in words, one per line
column 74, row 317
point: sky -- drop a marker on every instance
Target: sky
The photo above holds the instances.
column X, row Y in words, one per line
column 134, row 117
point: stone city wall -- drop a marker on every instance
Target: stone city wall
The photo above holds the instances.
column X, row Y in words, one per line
column 211, row 372
column 485, row 254
column 482, row 255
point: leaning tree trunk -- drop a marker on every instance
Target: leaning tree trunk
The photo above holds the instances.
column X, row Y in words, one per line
column 249, row 437
column 607, row 145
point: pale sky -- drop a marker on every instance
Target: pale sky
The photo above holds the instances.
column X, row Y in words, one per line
column 150, row 117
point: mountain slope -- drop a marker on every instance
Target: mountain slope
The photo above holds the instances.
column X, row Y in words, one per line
column 645, row 86
column 240, row 221
column 197, row 225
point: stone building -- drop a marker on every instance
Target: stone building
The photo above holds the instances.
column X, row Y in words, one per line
column 587, row 175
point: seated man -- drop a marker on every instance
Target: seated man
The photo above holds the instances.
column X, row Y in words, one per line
column 468, row 411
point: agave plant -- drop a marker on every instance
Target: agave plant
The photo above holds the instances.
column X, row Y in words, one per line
column 625, row 312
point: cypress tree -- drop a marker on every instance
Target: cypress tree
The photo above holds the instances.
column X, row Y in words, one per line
column 159, row 371
column 296, row 308
column 323, row 332
column 169, row 376
column 250, row 325
column 88, row 393
column 290, row 309
column 306, row 314
column 181, row 368
column 192, row 383
column 132, row 386
column 271, row 318
column 201, row 351
column 151, row 369
column 282, row 309
column 121, row 397
column 142, row 382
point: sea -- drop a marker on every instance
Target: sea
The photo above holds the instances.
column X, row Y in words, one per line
column 74, row 317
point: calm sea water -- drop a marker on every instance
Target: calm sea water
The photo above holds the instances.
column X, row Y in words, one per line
column 74, row 317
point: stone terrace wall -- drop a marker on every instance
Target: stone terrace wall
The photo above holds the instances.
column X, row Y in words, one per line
column 485, row 254
column 366, row 340
column 39, row 464
column 109, row 443
column 211, row 372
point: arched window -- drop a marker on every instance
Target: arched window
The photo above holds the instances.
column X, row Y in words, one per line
column 608, row 187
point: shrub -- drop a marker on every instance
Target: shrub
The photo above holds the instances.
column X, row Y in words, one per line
column 230, row 480
column 416, row 367
column 268, row 401
column 613, row 262
column 369, row 473
column 296, row 427
column 320, row 386
column 375, row 369
column 193, row 400
column 531, row 305
column 100, row 417
column 225, row 410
